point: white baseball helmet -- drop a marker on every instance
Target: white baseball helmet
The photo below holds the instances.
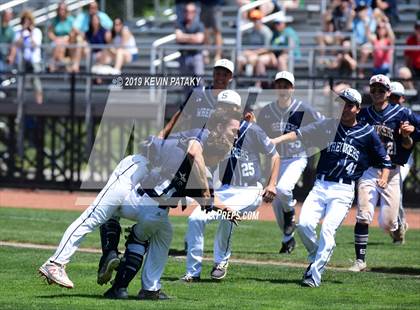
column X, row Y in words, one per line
column 352, row 95
column 286, row 75
column 381, row 79
column 229, row 97
column 397, row 89
column 225, row 63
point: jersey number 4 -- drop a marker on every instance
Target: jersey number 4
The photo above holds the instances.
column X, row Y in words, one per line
column 247, row 169
column 351, row 168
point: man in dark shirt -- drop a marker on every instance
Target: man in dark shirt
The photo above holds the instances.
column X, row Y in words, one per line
column 190, row 32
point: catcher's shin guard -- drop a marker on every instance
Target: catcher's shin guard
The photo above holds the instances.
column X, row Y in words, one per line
column 131, row 262
column 110, row 236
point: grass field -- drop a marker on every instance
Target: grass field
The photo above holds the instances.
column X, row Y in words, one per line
column 392, row 283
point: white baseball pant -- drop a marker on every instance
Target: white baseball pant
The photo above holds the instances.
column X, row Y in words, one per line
column 240, row 199
column 289, row 174
column 124, row 177
column 153, row 226
column 330, row 201
column 369, row 193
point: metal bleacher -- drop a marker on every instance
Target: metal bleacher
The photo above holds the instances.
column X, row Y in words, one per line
column 305, row 19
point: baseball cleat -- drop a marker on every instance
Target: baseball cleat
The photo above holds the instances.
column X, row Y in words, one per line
column 398, row 236
column 358, row 266
column 308, row 282
column 152, row 295
column 111, row 263
column 189, row 279
column 288, row 247
column 219, row 271
column 120, row 293
column 55, row 273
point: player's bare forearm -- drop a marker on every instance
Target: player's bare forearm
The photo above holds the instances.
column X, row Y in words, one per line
column 288, row 137
column 270, row 190
column 164, row 133
column 199, row 170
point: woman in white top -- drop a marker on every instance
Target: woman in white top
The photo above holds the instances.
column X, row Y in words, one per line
column 27, row 45
column 125, row 50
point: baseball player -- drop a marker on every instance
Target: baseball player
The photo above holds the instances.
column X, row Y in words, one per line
column 202, row 101
column 347, row 151
column 227, row 101
column 150, row 203
column 392, row 123
column 107, row 204
column 398, row 236
column 240, row 191
column 193, row 114
column 279, row 117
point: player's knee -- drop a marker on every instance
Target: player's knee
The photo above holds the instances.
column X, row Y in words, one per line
column 134, row 244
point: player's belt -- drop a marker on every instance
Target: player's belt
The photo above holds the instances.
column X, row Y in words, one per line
column 323, row 177
column 152, row 193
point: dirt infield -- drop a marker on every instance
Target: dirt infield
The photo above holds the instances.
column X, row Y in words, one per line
column 59, row 200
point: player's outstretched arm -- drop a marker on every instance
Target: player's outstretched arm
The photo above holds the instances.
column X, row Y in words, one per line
column 288, row 137
column 164, row 133
column 195, row 150
column 270, row 190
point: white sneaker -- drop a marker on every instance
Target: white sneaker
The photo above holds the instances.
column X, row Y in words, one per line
column 358, row 266
column 55, row 273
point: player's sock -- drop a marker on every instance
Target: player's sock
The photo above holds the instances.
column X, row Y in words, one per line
column 286, row 238
column 361, row 235
column 289, row 223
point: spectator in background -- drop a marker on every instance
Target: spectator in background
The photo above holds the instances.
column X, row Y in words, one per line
column 27, row 44
column 59, row 33
column 412, row 57
column 404, row 74
column 82, row 21
column 363, row 26
column 125, row 50
column 97, row 35
column 390, row 9
column 180, row 7
column 7, row 35
column 259, row 35
column 338, row 18
column 344, row 64
column 190, row 31
column 285, row 37
column 211, row 16
column 382, row 40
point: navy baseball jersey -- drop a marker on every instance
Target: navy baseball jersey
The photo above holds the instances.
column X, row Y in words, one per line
column 171, row 167
column 242, row 167
column 403, row 153
column 387, row 124
column 349, row 151
column 276, row 121
column 199, row 106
